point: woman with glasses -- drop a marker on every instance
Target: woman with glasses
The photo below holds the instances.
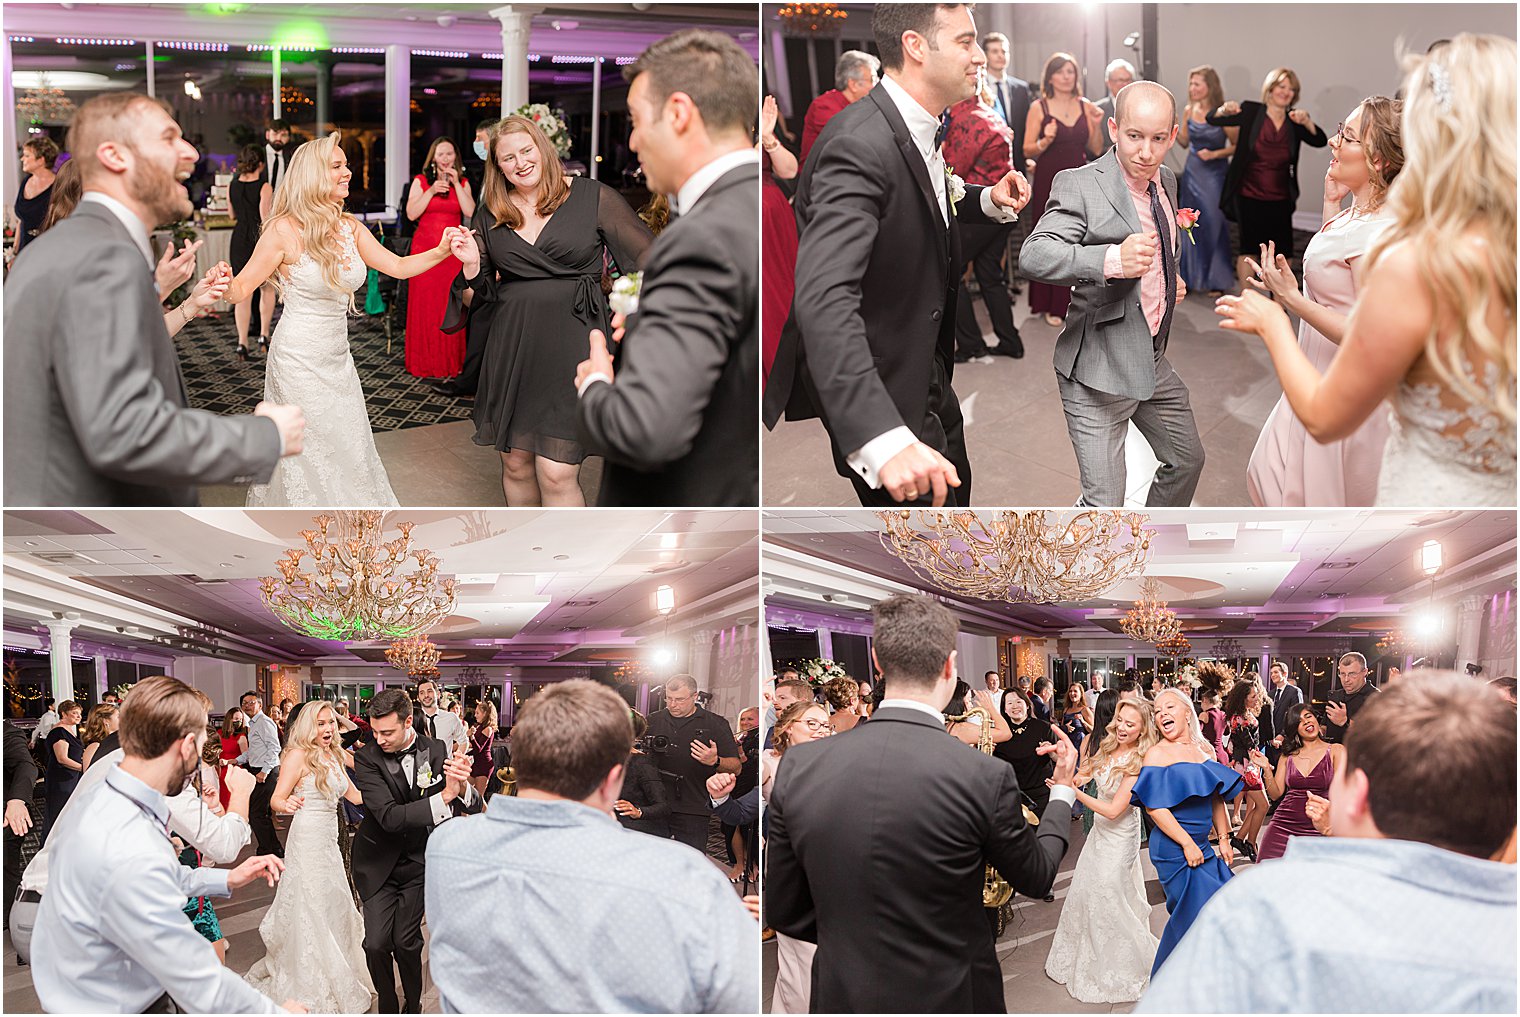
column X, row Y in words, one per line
column 1261, row 187
column 1287, row 468
column 798, row 723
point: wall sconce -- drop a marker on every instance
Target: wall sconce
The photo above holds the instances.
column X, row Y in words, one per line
column 665, row 600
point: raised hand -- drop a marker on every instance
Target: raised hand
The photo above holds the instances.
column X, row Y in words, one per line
column 720, row 785
column 1230, row 108
column 1273, row 273
column 1257, row 757
column 462, row 246
column 1249, row 312
column 1048, row 130
column 1335, row 191
column 916, row 471
column 1012, row 192
column 1066, row 757
column 599, row 361
column 292, row 424
column 1092, row 111
column 768, row 117
column 457, row 768
column 1318, row 811
column 1137, row 252
column 267, row 867
column 174, row 270
column 1301, row 118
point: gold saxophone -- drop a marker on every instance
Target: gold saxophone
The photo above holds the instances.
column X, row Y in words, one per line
column 995, row 889
column 508, row 777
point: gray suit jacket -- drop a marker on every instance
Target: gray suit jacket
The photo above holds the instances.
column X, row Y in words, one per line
column 1106, row 343
column 95, row 408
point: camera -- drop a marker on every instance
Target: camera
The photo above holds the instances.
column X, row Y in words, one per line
column 654, row 743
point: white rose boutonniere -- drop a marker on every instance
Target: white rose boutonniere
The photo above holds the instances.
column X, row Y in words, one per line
column 426, row 778
column 955, row 188
column 624, row 299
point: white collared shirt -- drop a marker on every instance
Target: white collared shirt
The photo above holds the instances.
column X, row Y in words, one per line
column 128, row 219
column 274, row 164
column 697, row 184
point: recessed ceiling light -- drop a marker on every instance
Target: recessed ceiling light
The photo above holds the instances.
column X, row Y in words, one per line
column 562, row 557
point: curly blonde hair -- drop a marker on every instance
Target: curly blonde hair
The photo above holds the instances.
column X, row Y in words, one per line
column 1459, row 138
column 303, row 736
column 304, row 197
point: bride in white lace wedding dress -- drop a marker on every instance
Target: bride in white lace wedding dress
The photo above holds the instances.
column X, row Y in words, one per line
column 313, row 934
column 319, row 255
column 1103, row 947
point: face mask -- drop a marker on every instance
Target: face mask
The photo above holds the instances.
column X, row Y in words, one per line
column 480, row 150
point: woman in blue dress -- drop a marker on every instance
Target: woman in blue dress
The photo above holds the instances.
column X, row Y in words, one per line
column 1184, row 788
column 1206, row 264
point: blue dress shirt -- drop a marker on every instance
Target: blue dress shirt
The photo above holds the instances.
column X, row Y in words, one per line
column 551, row 906
column 111, row 933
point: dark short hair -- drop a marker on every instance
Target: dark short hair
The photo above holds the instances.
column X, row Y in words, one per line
column 569, row 737
column 47, row 704
column 487, row 125
column 992, row 37
column 391, row 701
column 913, row 637
column 890, row 21
column 1041, row 684
column 1504, row 683
column 986, row 673
column 1439, row 755
column 276, row 124
column 711, row 68
column 44, row 148
column 246, row 695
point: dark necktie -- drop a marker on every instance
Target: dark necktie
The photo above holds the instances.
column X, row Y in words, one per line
column 1002, row 95
column 427, row 726
column 944, row 125
column 1163, row 236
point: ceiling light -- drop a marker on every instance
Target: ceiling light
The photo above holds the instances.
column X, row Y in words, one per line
column 1430, row 557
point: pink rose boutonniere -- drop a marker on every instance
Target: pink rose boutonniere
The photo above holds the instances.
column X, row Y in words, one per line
column 1187, row 218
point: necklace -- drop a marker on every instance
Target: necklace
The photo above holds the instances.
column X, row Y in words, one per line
column 1020, row 729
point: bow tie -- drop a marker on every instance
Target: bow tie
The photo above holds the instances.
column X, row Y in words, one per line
column 944, row 125
column 403, row 753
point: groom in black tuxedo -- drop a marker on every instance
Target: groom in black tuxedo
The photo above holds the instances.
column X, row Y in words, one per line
column 870, row 345
column 907, row 931
column 410, row 784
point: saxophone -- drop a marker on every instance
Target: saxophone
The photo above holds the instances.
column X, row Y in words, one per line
column 995, row 889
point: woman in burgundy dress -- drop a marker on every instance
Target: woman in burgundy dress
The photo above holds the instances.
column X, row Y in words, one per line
column 482, row 737
column 778, row 226
column 1062, row 130
column 440, row 197
column 1307, row 766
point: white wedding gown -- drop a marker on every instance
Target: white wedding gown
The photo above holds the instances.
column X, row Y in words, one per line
column 1103, row 947
column 310, row 366
column 313, row 935
column 1446, row 451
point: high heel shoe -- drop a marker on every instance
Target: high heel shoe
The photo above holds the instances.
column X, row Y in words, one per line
column 242, row 353
column 263, row 346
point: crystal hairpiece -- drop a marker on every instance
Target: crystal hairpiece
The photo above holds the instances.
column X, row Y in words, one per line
column 1440, row 84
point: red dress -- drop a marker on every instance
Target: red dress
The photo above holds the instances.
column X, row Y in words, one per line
column 430, row 353
column 779, row 249
column 230, row 752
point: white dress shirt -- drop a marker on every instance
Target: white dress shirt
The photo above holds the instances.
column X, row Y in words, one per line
column 274, row 165
column 111, row 933
column 45, row 723
column 263, row 754
column 220, row 838
column 447, row 728
column 869, row 459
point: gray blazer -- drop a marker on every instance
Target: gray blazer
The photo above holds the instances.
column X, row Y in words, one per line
column 1106, row 343
column 95, row 408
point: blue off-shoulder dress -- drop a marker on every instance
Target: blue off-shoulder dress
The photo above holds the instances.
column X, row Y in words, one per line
column 1187, row 789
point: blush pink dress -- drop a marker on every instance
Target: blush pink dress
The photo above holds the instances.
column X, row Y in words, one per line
column 1288, row 467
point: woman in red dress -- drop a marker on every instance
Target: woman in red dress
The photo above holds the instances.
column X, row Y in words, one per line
column 779, row 228
column 234, row 736
column 440, row 197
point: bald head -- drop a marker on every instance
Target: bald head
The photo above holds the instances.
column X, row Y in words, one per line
column 1144, row 126
column 1144, row 101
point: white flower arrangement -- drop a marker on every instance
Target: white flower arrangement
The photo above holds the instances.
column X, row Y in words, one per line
column 955, row 188
column 1188, row 675
column 819, row 671
column 624, row 298
column 551, row 122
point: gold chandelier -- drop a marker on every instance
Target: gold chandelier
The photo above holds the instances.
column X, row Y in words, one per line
column 1176, row 646
column 1228, row 648
column 416, row 655
column 355, row 586
column 1149, row 620
column 1019, row 557
column 812, row 19
column 45, row 104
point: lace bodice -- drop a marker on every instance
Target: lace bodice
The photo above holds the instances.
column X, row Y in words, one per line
column 307, row 292
column 315, row 805
column 1447, row 451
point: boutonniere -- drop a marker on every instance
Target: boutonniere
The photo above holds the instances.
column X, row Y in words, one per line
column 624, row 298
column 955, row 188
column 1187, row 218
column 426, row 778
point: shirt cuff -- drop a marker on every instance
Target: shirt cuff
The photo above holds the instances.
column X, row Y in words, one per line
column 1113, row 265
column 441, row 811
column 996, row 212
column 876, row 453
column 588, row 379
column 1063, row 793
column 215, row 883
column 719, row 801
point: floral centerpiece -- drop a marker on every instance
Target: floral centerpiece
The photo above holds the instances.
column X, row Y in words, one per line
column 551, row 122
column 819, row 671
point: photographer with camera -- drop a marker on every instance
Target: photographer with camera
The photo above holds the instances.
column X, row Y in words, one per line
column 643, row 804
column 1343, row 703
column 688, row 744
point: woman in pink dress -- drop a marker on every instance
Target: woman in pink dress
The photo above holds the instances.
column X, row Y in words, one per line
column 1287, row 467
column 440, row 197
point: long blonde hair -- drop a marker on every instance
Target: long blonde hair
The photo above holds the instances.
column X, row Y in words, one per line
column 1459, row 139
column 303, row 735
column 553, row 186
column 1195, row 731
column 1110, row 741
column 305, row 198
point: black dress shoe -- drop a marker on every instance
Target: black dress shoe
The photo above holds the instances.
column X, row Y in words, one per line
column 966, row 356
column 1013, row 349
column 448, row 387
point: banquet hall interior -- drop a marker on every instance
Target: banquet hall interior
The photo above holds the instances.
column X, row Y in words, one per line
column 95, row 600
column 392, row 78
column 1408, row 590
column 1015, row 431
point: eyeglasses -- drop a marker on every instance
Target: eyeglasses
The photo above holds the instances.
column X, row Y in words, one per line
column 1342, row 136
column 816, row 726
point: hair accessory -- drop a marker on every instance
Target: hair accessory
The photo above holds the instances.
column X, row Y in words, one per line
column 1440, row 84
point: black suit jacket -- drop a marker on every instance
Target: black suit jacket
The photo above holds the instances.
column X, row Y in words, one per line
column 1018, row 94
column 20, row 767
column 1250, row 119
column 877, row 272
column 877, row 845
column 677, row 426
column 397, row 817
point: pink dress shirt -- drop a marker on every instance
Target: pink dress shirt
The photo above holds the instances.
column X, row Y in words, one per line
column 1152, row 283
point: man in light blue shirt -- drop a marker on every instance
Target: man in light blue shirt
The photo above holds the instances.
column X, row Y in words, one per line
column 262, row 759
column 546, row 904
column 1406, row 907
column 111, row 934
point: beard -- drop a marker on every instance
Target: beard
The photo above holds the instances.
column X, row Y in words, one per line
column 158, row 191
column 278, row 146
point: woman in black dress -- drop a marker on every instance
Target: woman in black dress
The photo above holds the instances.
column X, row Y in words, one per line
column 644, row 804
column 250, row 197
column 65, row 761
column 538, row 260
column 38, row 157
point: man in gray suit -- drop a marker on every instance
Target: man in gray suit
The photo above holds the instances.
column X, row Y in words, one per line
column 1101, row 234
column 95, row 408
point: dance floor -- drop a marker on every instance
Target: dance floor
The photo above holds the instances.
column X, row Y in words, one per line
column 1025, row 944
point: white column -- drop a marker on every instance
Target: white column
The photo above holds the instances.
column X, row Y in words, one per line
column 152, row 70
column 275, row 80
column 102, row 678
column 699, row 658
column 10, row 145
column 825, row 644
column 58, row 656
column 398, row 120
column 1470, row 631
column 596, row 117
column 516, row 27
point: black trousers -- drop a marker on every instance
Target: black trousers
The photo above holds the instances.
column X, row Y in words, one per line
column 944, row 430
column 14, row 866
column 982, row 248
column 393, row 937
column 261, row 819
column 689, row 829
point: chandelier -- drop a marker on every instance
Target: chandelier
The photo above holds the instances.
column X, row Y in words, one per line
column 290, row 95
column 356, row 585
column 1149, row 621
column 1019, row 557
column 812, row 19
column 1228, row 649
column 415, row 655
column 487, row 100
column 45, row 105
column 1176, row 646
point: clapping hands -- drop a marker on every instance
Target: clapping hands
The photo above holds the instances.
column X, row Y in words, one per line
column 457, row 771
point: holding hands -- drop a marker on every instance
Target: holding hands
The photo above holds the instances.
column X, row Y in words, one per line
column 461, row 244
column 599, row 362
column 1066, row 757
column 211, row 287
